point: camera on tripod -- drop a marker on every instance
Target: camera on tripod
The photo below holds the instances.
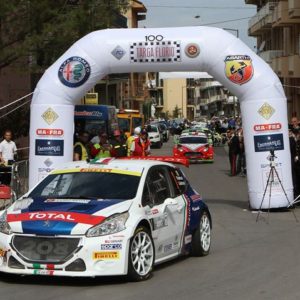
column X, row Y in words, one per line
column 271, row 158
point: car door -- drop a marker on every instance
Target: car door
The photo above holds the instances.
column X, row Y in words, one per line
column 166, row 211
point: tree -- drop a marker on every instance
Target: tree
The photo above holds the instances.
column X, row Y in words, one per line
column 39, row 31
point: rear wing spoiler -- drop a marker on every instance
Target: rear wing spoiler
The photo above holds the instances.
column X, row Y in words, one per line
column 169, row 159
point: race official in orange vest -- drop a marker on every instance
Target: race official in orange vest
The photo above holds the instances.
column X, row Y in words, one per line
column 141, row 145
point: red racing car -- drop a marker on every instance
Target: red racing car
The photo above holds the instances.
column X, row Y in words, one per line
column 195, row 147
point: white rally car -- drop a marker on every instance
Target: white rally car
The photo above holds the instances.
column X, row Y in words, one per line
column 110, row 217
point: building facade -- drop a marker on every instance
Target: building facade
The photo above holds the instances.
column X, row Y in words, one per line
column 192, row 98
column 276, row 26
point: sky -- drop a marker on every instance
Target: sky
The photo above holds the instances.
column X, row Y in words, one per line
column 173, row 13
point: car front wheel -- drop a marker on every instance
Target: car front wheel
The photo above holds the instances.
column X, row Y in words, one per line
column 141, row 255
column 201, row 238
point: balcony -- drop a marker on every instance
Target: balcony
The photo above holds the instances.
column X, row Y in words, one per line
column 269, row 55
column 294, row 9
column 294, row 66
column 281, row 15
column 191, row 102
column 280, row 65
column 204, row 101
column 209, row 84
column 262, row 20
column 217, row 98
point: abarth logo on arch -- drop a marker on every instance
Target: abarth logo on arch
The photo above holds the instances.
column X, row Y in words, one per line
column 238, row 68
column 74, row 72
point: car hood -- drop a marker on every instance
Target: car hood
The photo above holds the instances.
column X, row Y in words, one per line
column 153, row 133
column 61, row 216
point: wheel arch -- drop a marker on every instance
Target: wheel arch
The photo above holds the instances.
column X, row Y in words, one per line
column 209, row 215
column 146, row 224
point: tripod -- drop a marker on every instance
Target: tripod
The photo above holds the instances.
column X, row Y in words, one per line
column 273, row 172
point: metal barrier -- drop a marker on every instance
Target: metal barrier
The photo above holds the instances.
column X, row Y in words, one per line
column 19, row 178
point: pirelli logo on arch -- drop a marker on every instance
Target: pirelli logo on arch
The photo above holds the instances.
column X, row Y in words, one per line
column 267, row 127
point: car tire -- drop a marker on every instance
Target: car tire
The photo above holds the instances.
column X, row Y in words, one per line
column 141, row 255
column 201, row 238
column 159, row 145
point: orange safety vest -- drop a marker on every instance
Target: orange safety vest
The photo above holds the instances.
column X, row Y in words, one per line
column 140, row 148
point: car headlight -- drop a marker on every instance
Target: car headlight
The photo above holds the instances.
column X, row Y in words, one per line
column 4, row 226
column 205, row 149
column 156, row 136
column 110, row 225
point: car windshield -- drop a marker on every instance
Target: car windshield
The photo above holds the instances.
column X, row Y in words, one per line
column 193, row 140
column 152, row 129
column 124, row 124
column 88, row 185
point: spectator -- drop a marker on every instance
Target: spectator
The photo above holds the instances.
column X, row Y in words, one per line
column 241, row 160
column 294, row 124
column 224, row 125
column 81, row 148
column 295, row 156
column 231, row 123
column 118, row 145
column 8, row 152
column 141, row 145
column 8, row 148
column 101, row 149
column 131, row 139
column 234, row 150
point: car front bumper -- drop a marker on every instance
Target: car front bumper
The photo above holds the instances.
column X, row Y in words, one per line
column 96, row 256
column 195, row 157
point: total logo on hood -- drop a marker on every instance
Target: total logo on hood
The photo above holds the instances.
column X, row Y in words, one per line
column 56, row 216
column 61, row 216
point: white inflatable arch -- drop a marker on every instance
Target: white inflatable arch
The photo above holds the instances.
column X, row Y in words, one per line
column 226, row 58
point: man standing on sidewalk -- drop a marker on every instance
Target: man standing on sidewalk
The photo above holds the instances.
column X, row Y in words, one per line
column 8, row 151
column 234, row 150
column 8, row 148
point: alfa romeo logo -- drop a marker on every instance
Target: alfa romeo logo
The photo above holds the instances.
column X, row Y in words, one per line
column 74, row 71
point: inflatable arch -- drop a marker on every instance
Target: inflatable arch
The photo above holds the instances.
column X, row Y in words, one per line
column 226, row 58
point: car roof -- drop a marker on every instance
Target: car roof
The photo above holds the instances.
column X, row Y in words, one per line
column 127, row 165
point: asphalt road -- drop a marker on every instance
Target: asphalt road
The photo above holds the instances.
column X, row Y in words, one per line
column 248, row 260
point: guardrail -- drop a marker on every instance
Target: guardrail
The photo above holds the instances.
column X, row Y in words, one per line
column 19, row 178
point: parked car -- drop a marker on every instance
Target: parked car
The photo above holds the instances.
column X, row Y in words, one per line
column 70, row 225
column 163, row 129
column 155, row 136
